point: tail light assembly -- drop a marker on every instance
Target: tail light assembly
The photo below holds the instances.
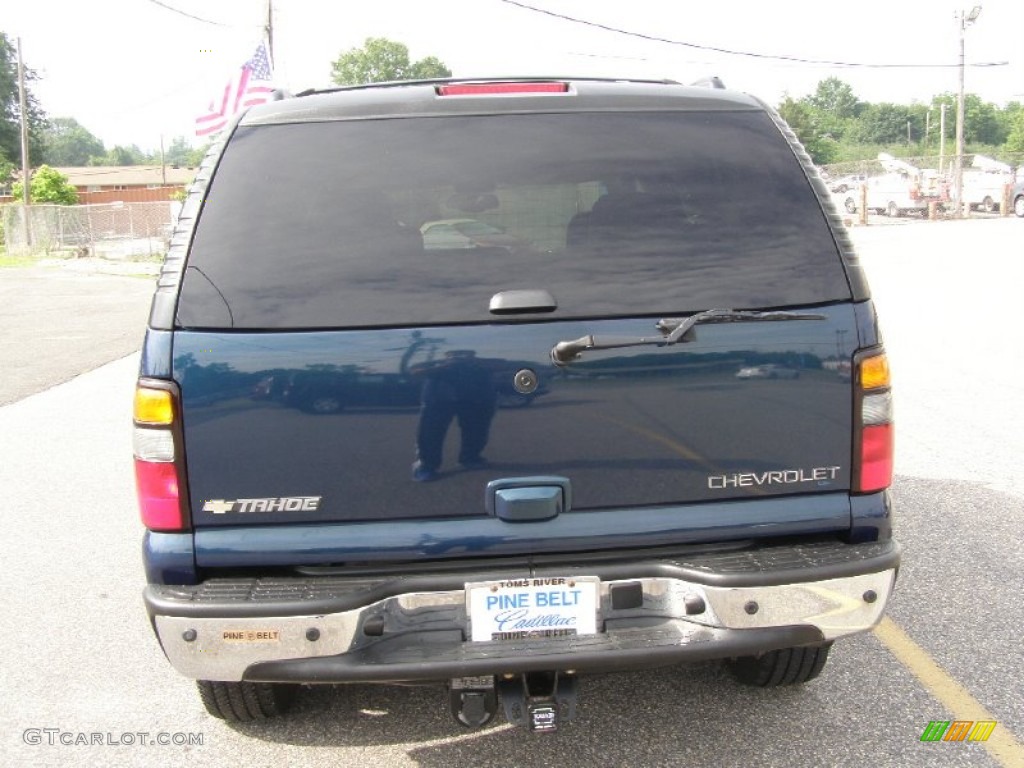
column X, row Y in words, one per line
column 873, row 422
column 159, row 463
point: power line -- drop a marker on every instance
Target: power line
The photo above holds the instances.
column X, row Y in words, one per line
column 749, row 54
column 189, row 15
column 156, row 99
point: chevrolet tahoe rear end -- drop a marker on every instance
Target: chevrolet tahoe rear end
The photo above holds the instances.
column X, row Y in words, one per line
column 365, row 455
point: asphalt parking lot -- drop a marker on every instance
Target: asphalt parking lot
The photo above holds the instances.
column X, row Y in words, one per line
column 60, row 321
column 80, row 657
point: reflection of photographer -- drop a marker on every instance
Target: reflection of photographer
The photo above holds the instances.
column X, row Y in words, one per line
column 457, row 387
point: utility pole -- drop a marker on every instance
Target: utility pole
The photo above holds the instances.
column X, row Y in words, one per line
column 965, row 21
column 942, row 138
column 163, row 163
column 26, row 175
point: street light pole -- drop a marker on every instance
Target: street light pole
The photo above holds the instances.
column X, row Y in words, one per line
column 965, row 21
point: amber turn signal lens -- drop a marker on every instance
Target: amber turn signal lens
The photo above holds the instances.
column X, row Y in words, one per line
column 153, row 406
column 874, row 372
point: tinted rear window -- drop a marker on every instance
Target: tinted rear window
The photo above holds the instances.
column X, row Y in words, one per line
column 421, row 221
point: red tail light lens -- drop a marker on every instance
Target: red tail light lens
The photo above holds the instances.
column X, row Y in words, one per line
column 159, row 500
column 876, row 453
column 483, row 89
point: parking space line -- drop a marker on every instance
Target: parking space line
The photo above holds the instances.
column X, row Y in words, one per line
column 671, row 443
column 1002, row 745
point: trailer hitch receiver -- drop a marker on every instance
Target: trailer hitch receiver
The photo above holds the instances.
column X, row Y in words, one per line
column 540, row 701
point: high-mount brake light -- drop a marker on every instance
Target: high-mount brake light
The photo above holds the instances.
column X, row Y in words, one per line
column 157, row 469
column 874, row 441
column 484, row 89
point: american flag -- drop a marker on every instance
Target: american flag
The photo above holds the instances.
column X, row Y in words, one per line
column 250, row 86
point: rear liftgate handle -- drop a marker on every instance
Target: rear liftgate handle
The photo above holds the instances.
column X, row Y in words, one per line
column 528, row 499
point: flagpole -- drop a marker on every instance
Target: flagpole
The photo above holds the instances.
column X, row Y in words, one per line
column 270, row 30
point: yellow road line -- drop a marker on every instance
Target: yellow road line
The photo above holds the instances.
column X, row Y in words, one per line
column 1002, row 746
column 674, row 445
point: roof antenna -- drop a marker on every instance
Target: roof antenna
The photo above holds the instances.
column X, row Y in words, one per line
column 710, row 82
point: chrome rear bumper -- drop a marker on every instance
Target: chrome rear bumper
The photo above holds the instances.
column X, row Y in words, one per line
column 670, row 611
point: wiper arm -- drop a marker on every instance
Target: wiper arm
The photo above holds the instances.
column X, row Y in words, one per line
column 675, row 330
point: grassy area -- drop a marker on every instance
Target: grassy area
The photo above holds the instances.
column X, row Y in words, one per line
column 24, row 260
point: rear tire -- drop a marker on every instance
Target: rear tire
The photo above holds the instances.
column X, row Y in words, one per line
column 1018, row 206
column 787, row 666
column 892, row 210
column 244, row 702
column 988, row 205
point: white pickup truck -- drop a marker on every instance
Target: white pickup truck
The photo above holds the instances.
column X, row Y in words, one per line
column 904, row 188
column 984, row 190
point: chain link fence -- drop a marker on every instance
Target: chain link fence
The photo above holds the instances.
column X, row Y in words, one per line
column 110, row 230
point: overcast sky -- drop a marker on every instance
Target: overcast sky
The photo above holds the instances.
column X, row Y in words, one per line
column 131, row 70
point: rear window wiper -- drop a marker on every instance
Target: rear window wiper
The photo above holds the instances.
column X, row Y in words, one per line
column 674, row 330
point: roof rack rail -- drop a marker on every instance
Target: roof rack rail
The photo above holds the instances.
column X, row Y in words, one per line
column 710, row 82
column 517, row 79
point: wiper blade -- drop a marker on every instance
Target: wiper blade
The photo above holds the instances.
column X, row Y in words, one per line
column 675, row 330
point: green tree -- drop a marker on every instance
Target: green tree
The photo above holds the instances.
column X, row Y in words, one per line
column 6, row 170
column 1015, row 138
column 834, row 106
column 48, row 186
column 881, row 123
column 835, row 97
column 381, row 60
column 983, row 120
column 805, row 124
column 68, row 143
column 122, row 155
column 181, row 154
column 10, row 109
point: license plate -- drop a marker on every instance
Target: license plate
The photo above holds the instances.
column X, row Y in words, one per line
column 523, row 609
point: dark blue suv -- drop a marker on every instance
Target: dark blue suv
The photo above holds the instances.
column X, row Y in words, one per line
column 364, row 455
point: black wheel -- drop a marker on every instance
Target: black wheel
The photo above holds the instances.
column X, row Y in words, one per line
column 851, row 205
column 788, row 666
column 244, row 702
column 841, row 188
column 892, row 210
column 1018, row 206
column 988, row 205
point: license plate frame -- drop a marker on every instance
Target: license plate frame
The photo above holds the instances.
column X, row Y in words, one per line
column 532, row 608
